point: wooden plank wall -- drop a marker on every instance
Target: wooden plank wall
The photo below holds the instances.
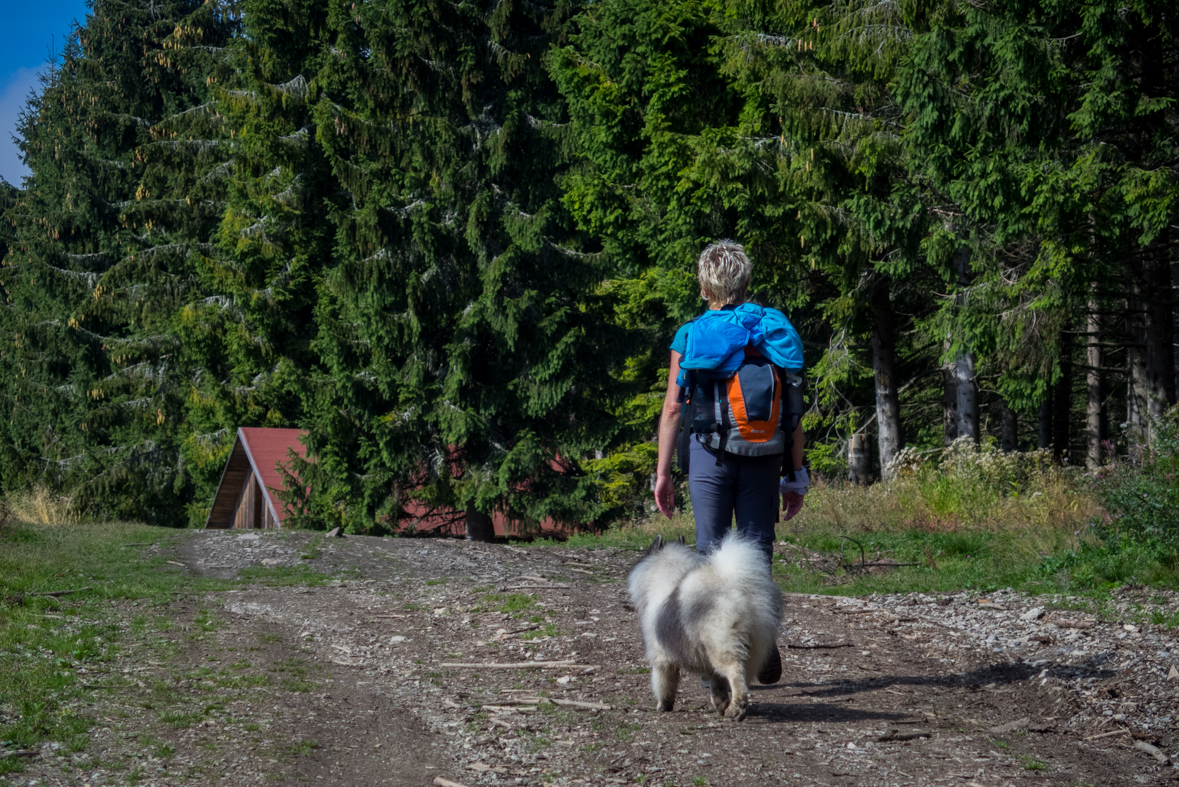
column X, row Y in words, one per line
column 225, row 504
column 245, row 516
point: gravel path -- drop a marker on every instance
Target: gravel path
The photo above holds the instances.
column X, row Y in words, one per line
column 900, row 690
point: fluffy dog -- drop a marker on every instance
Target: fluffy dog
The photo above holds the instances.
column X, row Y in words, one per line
column 715, row 615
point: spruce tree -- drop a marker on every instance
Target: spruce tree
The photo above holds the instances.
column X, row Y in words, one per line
column 97, row 267
column 467, row 358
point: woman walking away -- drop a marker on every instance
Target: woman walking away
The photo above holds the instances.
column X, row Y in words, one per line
column 733, row 405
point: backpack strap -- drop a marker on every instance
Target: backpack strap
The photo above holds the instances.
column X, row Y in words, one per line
column 791, row 415
column 721, row 411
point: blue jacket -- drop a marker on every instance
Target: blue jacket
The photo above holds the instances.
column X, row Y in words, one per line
column 716, row 340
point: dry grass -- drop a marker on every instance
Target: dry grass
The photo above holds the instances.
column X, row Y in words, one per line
column 964, row 488
column 42, row 506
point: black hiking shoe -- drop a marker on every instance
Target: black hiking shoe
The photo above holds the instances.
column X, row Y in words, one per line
column 771, row 670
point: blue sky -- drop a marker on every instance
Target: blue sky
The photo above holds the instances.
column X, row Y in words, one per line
column 30, row 29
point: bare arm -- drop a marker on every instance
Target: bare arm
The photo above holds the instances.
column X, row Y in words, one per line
column 669, row 428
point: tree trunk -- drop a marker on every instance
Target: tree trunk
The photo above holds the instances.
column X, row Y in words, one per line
column 1009, row 429
column 888, row 406
column 1137, row 385
column 966, row 392
column 1160, row 354
column 859, row 459
column 479, row 525
column 1045, row 417
column 1175, row 317
column 1095, row 395
column 949, row 403
column 965, row 388
column 1063, row 399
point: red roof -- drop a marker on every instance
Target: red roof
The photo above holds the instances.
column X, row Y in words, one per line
column 267, row 448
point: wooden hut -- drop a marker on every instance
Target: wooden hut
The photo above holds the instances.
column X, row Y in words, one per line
column 246, row 495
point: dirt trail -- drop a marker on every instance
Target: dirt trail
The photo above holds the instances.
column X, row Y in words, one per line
column 891, row 702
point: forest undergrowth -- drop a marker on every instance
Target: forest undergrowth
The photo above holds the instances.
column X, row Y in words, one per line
column 973, row 517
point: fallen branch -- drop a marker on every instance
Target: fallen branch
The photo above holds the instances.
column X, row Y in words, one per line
column 174, row 563
column 533, row 627
column 1072, row 624
column 577, row 704
column 520, row 665
column 1153, row 751
column 55, row 593
column 878, row 564
column 1010, row 726
column 897, row 735
column 440, row 782
column 1107, row 734
column 820, row 647
column 19, row 753
column 139, row 544
column 554, row 586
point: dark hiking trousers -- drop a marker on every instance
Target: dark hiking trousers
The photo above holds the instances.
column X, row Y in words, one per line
column 745, row 486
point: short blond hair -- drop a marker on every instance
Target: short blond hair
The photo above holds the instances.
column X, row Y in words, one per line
column 724, row 272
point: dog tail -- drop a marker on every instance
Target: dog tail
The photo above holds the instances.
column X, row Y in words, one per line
column 739, row 559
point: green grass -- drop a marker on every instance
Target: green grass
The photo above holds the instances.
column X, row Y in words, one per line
column 977, row 520
column 1030, row 763
column 545, row 631
column 39, row 654
column 283, row 576
column 509, row 602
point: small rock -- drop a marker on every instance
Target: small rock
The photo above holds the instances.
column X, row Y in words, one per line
column 1173, row 674
column 335, row 532
column 1035, row 613
column 396, row 639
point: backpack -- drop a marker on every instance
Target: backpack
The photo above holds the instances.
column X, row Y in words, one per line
column 751, row 412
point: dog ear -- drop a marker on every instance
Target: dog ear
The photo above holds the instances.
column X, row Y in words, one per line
column 656, row 545
column 681, row 540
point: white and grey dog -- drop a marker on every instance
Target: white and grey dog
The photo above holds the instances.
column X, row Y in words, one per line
column 715, row 615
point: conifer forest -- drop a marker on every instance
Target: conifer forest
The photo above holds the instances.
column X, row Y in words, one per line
column 452, row 239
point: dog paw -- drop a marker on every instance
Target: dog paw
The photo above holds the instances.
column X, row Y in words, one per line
column 737, row 710
column 665, row 706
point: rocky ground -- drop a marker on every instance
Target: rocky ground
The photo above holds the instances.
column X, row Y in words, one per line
column 407, row 671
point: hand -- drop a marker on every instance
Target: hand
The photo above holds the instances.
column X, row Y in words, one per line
column 665, row 495
column 791, row 505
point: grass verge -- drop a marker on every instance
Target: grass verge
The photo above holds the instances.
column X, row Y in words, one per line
column 49, row 644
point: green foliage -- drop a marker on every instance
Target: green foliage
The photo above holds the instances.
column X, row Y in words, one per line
column 1143, row 498
column 1138, row 534
column 453, row 241
column 463, row 334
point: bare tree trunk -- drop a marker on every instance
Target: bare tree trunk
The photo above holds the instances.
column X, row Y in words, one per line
column 966, row 391
column 1009, row 429
column 1063, row 399
column 859, row 459
column 965, row 387
column 1137, row 385
column 1175, row 315
column 888, row 406
column 949, row 403
column 1160, row 354
column 1095, row 393
column 1045, row 421
column 479, row 525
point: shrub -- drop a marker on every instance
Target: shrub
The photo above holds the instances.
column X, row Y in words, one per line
column 1142, row 497
column 42, row 506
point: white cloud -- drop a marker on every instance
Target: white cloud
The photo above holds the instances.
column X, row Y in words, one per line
column 13, row 96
